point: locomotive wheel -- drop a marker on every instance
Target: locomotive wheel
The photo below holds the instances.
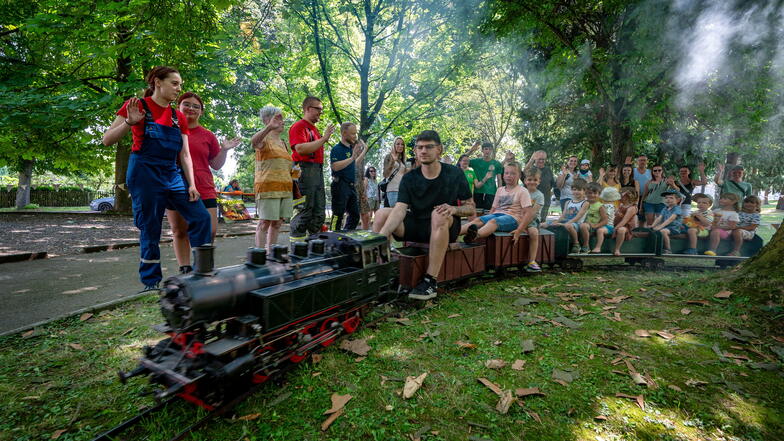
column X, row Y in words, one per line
column 326, row 325
column 351, row 323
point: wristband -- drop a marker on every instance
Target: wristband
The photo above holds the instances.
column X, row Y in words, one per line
column 126, row 122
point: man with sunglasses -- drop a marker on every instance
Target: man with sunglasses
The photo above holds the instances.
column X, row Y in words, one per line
column 307, row 147
column 431, row 200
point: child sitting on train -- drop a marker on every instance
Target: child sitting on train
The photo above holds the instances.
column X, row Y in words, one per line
column 669, row 221
column 748, row 221
column 625, row 217
column 610, row 197
column 573, row 213
column 511, row 208
column 532, row 179
column 596, row 217
column 699, row 222
column 725, row 219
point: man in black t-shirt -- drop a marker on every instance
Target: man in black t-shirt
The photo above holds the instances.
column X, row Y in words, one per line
column 431, row 199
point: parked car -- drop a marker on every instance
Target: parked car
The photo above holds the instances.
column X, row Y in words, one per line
column 102, row 204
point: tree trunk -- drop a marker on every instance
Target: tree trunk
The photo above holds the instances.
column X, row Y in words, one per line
column 122, row 198
column 621, row 141
column 780, row 203
column 765, row 196
column 25, row 180
column 762, row 273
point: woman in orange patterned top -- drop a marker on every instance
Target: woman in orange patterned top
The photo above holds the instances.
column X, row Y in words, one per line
column 274, row 172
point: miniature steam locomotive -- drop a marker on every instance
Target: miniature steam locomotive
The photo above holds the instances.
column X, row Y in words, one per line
column 231, row 327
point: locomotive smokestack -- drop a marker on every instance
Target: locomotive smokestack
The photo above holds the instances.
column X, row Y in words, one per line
column 204, row 259
column 257, row 256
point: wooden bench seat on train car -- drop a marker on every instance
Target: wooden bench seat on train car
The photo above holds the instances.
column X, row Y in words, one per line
column 679, row 243
column 642, row 243
column 502, row 251
column 461, row 261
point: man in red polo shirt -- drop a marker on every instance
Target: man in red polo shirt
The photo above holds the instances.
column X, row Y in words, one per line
column 307, row 147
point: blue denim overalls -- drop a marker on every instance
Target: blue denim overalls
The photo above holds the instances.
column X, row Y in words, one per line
column 154, row 180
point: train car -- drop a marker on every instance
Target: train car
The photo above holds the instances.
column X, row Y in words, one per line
column 646, row 248
column 496, row 253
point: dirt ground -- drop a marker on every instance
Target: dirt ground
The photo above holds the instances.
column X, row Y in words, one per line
column 64, row 234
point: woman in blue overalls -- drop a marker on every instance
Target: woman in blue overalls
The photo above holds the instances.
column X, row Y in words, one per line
column 154, row 179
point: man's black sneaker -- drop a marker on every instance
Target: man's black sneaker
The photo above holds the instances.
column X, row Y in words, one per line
column 151, row 288
column 470, row 235
column 185, row 269
column 426, row 290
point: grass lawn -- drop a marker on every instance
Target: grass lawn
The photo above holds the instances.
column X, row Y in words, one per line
column 700, row 384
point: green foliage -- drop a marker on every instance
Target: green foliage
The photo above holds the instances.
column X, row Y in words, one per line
column 31, row 206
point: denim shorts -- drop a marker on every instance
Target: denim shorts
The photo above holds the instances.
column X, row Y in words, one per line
column 652, row 208
column 609, row 228
column 504, row 222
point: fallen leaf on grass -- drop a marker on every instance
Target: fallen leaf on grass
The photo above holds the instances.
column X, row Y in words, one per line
column 616, row 299
column 316, row 358
column 495, row 364
column 638, row 379
column 464, row 345
column 639, row 399
column 565, row 375
column 695, row 383
column 600, row 418
column 29, row 334
column 505, row 402
column 492, row 386
column 732, row 336
column 412, row 385
column 529, row 391
column 403, row 321
column 724, row 294
column 358, row 359
column 528, row 346
column 523, row 301
column 315, row 374
column 453, row 316
column 665, row 335
column 359, row 347
column 328, row 422
column 698, row 302
column 685, row 311
column 127, row 331
column 518, row 365
column 249, row 417
column 76, row 346
column 675, row 388
column 567, row 322
column 535, row 416
column 85, row 316
column 338, row 402
column 641, row 333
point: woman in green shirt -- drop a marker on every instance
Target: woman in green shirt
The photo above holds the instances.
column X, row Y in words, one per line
column 469, row 172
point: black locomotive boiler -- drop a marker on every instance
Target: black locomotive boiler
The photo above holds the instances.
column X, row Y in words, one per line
column 231, row 327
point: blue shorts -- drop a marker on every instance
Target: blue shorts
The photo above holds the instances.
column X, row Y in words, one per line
column 609, row 228
column 675, row 229
column 652, row 208
column 504, row 222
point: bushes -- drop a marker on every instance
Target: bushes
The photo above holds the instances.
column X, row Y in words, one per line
column 48, row 196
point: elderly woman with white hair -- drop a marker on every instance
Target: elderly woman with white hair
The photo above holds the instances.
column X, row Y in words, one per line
column 273, row 177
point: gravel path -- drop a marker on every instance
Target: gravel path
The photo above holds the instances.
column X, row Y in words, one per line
column 67, row 233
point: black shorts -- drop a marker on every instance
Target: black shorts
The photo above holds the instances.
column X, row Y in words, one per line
column 418, row 230
column 484, row 201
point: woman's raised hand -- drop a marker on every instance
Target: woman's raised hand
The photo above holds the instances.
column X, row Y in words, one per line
column 230, row 144
column 134, row 113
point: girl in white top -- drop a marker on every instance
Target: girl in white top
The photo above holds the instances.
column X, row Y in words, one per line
column 725, row 219
column 395, row 162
